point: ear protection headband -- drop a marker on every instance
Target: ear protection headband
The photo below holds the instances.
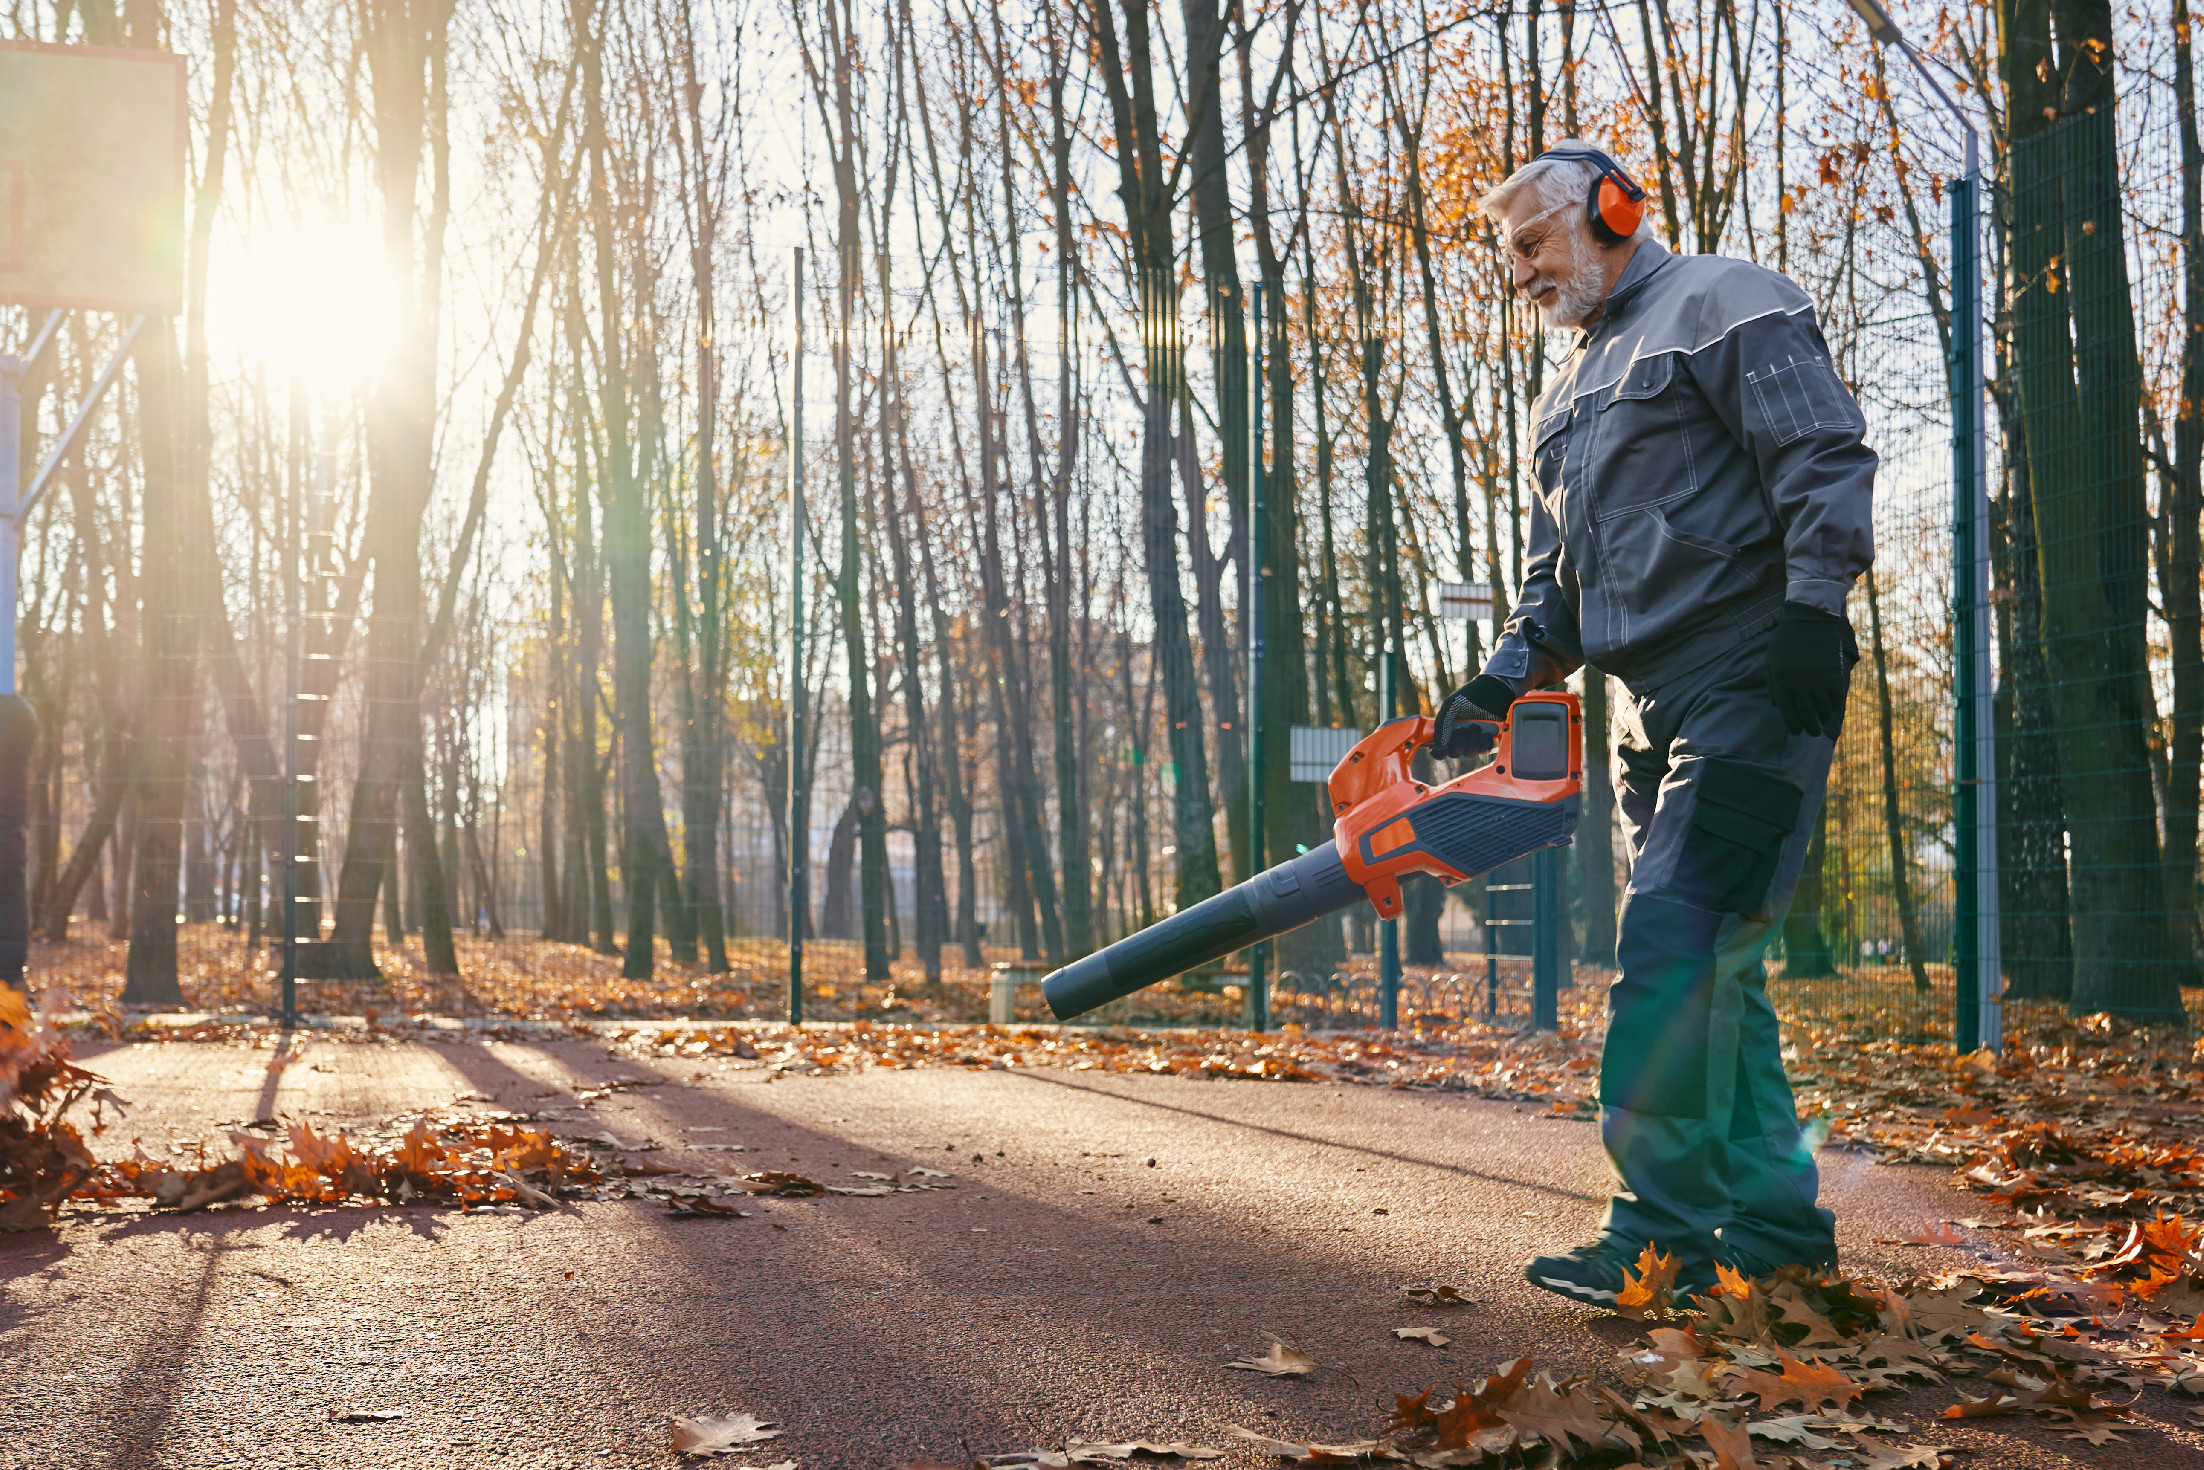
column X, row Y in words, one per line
column 1615, row 204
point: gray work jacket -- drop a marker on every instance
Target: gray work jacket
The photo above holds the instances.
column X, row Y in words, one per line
column 1698, row 463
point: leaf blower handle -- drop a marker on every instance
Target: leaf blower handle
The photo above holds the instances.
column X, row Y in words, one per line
column 1269, row 904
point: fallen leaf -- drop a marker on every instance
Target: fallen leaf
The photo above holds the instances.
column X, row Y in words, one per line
column 1438, row 1296
column 1080, row 1452
column 1861, row 1425
column 780, row 1182
column 1307, row 1454
column 720, row 1436
column 1901, row 1457
column 1652, row 1287
column 1810, row 1385
column 1556, row 1413
column 1938, row 1233
column 1794, row 1429
column 1431, row 1335
column 1280, row 1362
column 1731, row 1443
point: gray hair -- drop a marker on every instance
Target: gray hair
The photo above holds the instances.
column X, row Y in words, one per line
column 1558, row 182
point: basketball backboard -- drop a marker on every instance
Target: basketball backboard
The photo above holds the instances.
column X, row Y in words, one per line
column 91, row 178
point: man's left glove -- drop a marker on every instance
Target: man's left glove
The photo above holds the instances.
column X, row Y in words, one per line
column 1810, row 658
column 1468, row 722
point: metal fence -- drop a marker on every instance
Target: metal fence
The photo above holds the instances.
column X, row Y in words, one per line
column 2098, row 714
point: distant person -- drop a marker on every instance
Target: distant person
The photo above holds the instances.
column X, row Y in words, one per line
column 1703, row 507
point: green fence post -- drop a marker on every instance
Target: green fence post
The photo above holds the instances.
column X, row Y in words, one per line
column 799, row 798
column 1546, row 939
column 1977, row 974
column 1961, row 380
column 1388, row 929
column 1258, row 991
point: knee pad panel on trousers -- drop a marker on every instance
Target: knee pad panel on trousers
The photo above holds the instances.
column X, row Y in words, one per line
column 1740, row 816
column 1657, row 1034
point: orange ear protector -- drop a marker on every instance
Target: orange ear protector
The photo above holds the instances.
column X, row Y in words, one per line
column 1615, row 204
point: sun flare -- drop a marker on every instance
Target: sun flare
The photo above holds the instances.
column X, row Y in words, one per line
column 312, row 299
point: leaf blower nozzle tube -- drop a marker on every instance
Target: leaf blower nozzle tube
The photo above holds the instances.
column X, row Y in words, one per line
column 1269, row 904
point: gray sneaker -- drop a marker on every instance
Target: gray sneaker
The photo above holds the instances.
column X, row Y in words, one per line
column 1595, row 1275
column 1753, row 1264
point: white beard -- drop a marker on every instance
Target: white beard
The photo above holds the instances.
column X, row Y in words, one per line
column 1580, row 298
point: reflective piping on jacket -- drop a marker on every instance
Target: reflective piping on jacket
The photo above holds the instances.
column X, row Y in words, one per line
column 1714, row 340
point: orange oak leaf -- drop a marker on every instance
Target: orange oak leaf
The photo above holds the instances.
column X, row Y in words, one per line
column 1731, row 1443
column 1651, row 1288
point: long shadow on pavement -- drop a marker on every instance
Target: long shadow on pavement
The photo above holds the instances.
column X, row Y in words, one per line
column 873, row 1329
column 1510, row 1180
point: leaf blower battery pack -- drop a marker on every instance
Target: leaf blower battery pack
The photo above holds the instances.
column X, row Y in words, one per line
column 1386, row 825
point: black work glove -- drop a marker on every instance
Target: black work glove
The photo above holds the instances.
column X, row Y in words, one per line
column 1468, row 721
column 1810, row 658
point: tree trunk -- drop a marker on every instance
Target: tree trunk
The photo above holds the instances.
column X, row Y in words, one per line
column 704, row 760
column 404, row 44
column 1225, row 306
column 644, row 873
column 1901, row 883
column 433, row 915
column 841, row 857
column 83, row 865
column 2185, row 520
column 2083, row 428
column 168, row 683
column 1146, row 192
column 2033, row 932
column 931, row 908
column 1073, row 862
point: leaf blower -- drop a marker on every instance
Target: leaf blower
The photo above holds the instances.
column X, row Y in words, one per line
column 1386, row 825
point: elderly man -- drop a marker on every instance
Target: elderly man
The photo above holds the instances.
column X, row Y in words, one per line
column 1703, row 508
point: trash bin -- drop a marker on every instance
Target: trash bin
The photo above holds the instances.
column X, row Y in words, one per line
column 1003, row 981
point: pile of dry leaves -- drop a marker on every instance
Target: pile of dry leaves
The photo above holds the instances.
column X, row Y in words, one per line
column 1789, row 1360
column 1769, row 1374
column 45, row 1160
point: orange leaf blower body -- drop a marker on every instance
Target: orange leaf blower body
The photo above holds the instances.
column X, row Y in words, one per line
column 1386, row 825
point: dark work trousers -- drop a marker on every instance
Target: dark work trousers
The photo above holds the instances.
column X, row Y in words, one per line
column 1718, row 804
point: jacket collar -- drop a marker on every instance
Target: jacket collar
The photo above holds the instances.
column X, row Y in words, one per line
column 1650, row 258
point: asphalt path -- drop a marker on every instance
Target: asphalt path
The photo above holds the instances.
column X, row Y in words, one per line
column 1065, row 1287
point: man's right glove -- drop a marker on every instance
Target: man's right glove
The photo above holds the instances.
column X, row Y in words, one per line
column 1810, row 658
column 1469, row 720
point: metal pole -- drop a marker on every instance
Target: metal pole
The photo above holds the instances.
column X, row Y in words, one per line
column 1492, row 952
column 1967, row 1018
column 1257, row 608
column 1989, row 955
column 1388, row 929
column 1546, row 938
column 799, row 798
column 294, row 537
column 18, row 725
column 11, row 466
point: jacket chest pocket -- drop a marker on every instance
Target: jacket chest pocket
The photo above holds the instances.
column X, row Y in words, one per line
column 1550, row 456
column 1644, row 439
